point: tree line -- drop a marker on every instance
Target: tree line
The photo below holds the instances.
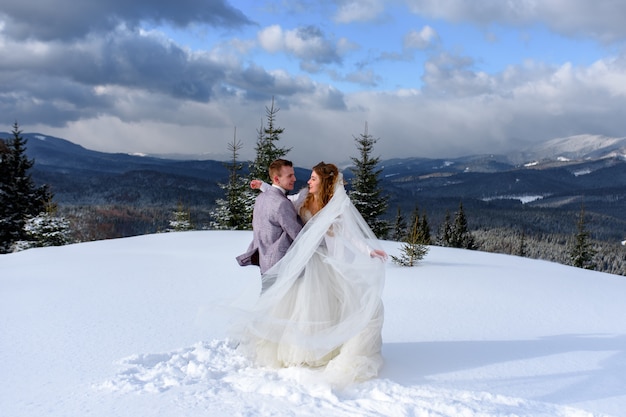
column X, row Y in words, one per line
column 235, row 210
column 27, row 212
column 30, row 218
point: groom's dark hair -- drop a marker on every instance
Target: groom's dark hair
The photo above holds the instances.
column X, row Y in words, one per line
column 277, row 165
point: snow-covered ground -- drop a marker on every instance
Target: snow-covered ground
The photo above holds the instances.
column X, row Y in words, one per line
column 136, row 327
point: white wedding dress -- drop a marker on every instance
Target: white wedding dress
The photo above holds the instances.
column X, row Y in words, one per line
column 325, row 308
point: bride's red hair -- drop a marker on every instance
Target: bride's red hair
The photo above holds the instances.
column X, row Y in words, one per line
column 328, row 174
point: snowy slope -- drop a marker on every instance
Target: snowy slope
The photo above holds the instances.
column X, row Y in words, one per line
column 580, row 147
column 135, row 327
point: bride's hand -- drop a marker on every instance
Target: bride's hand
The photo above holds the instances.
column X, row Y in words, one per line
column 380, row 254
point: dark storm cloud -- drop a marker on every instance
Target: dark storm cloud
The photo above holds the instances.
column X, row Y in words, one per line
column 124, row 59
column 146, row 63
column 39, row 98
column 60, row 83
column 55, row 83
column 71, row 19
column 83, row 45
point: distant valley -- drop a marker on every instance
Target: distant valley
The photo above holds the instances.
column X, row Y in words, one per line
column 538, row 191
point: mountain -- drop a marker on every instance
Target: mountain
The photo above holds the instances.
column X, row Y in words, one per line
column 580, row 164
column 580, row 147
column 539, row 190
column 80, row 176
column 60, row 155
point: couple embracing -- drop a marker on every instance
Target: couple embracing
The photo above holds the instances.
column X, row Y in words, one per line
column 322, row 279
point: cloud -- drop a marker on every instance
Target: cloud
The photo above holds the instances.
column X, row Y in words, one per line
column 450, row 75
column 366, row 78
column 70, row 19
column 272, row 39
column 522, row 105
column 57, row 83
column 96, row 71
column 599, row 19
column 307, row 43
column 122, row 58
column 423, row 39
column 349, row 11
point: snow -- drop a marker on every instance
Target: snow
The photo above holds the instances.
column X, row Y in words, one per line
column 524, row 199
column 137, row 327
column 581, row 146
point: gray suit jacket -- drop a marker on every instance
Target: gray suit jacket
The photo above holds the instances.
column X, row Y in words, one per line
column 275, row 224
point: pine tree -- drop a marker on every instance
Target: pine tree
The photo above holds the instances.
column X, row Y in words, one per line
column 267, row 149
column 582, row 252
column 181, row 221
column 522, row 250
column 235, row 211
column 415, row 217
column 413, row 250
column 461, row 236
column 423, row 229
column 46, row 229
column 445, row 232
column 425, row 237
column 399, row 232
column 366, row 193
column 20, row 199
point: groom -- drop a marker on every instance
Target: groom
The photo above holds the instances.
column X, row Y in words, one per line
column 275, row 222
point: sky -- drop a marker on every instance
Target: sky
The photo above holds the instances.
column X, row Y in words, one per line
column 426, row 78
column 140, row 327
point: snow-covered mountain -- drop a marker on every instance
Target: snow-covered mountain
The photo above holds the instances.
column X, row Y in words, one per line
column 572, row 148
column 557, row 175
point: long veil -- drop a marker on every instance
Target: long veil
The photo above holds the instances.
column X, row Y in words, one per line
column 327, row 290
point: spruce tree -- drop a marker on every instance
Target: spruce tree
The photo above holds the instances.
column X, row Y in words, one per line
column 366, row 193
column 522, row 250
column 181, row 220
column 461, row 236
column 445, row 232
column 425, row 231
column 412, row 250
column 415, row 217
column 46, row 229
column 20, row 199
column 582, row 252
column 399, row 232
column 267, row 149
column 234, row 212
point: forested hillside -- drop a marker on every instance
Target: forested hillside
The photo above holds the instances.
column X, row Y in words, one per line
column 116, row 195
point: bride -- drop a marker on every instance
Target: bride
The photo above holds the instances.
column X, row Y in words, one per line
column 324, row 309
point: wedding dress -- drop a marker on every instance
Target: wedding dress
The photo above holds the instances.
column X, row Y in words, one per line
column 324, row 309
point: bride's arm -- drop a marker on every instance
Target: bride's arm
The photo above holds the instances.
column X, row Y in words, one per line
column 296, row 199
column 359, row 244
